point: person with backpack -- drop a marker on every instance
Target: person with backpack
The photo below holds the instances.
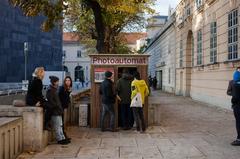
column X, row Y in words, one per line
column 234, row 91
column 139, row 92
column 108, row 101
column 55, row 107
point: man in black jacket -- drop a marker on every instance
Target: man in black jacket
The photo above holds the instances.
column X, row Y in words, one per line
column 124, row 93
column 54, row 106
column 108, row 100
column 234, row 91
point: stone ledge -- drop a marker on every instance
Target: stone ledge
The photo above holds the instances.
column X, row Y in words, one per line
column 9, row 110
column 34, row 138
column 6, row 120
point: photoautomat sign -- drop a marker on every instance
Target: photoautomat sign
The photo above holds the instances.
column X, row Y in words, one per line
column 119, row 60
column 99, row 73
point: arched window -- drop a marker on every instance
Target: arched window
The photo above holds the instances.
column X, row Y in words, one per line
column 79, row 74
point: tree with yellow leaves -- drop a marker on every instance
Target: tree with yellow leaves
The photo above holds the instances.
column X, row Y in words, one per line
column 101, row 20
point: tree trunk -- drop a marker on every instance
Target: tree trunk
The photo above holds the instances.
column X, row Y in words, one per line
column 100, row 26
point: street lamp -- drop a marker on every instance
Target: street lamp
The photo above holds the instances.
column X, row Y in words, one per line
column 63, row 62
column 26, row 48
column 25, row 81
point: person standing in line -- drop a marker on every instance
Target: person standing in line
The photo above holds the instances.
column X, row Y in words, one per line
column 139, row 88
column 54, row 105
column 64, row 95
column 154, row 82
column 108, row 101
column 234, row 91
column 124, row 96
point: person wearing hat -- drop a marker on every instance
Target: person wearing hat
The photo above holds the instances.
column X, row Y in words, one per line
column 55, row 108
column 108, row 100
column 234, row 91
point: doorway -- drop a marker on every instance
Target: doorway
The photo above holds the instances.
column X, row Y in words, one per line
column 159, row 79
column 130, row 71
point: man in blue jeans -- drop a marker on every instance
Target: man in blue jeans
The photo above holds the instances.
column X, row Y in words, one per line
column 108, row 101
column 56, row 111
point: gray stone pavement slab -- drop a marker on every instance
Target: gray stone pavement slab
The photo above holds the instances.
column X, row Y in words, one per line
column 188, row 130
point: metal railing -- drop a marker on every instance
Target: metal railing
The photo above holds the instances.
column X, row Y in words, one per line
column 11, row 88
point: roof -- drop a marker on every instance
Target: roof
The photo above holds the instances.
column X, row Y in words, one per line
column 131, row 38
column 70, row 37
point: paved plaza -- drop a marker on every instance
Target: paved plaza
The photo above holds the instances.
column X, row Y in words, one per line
column 189, row 130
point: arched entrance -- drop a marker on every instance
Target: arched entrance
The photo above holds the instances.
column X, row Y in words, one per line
column 79, row 73
column 189, row 61
column 65, row 68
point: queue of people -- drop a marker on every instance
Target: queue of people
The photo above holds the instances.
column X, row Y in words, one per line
column 56, row 101
column 130, row 93
column 152, row 82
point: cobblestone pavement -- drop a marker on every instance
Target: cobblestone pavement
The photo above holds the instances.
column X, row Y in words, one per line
column 189, row 130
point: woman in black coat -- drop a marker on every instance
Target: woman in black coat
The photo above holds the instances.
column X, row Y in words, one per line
column 34, row 94
column 64, row 95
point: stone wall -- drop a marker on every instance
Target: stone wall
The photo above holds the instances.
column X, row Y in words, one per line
column 34, row 138
column 8, row 99
column 11, row 134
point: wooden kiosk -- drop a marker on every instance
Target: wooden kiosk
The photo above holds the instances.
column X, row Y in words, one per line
column 114, row 63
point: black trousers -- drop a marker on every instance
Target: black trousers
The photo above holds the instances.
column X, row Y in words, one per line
column 139, row 118
column 236, row 111
column 126, row 116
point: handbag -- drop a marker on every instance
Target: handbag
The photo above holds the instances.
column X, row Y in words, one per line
column 137, row 100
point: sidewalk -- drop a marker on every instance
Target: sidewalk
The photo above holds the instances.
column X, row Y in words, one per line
column 189, row 130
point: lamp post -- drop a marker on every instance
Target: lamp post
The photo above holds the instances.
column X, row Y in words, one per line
column 25, row 81
column 26, row 48
column 63, row 62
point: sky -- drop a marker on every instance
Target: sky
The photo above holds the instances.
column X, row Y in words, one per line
column 162, row 6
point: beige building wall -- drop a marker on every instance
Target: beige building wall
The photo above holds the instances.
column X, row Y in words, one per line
column 206, row 82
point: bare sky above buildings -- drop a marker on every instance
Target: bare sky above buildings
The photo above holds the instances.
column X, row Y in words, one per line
column 162, row 6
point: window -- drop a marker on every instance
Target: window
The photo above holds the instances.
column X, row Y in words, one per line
column 192, row 51
column 79, row 53
column 233, row 35
column 198, row 3
column 199, row 47
column 188, row 10
column 213, row 42
column 181, row 54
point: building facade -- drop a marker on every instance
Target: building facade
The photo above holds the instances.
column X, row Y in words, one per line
column 207, row 49
column 76, row 60
column 162, row 59
column 155, row 24
column 45, row 48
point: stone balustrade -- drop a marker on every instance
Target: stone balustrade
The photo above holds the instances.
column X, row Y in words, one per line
column 11, row 133
column 34, row 138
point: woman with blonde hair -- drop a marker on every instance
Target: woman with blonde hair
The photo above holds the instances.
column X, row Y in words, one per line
column 34, row 93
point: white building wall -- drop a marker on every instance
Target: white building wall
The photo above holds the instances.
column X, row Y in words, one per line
column 162, row 58
column 71, row 60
